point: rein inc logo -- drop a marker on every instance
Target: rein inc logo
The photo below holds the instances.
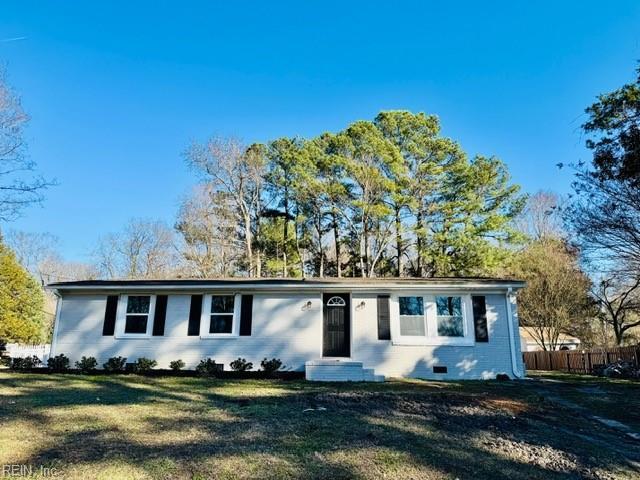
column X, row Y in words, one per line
column 19, row 470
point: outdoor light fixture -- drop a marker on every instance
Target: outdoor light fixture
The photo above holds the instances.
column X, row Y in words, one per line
column 307, row 306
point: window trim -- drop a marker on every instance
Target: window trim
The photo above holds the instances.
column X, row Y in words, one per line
column 205, row 316
column 431, row 321
column 121, row 317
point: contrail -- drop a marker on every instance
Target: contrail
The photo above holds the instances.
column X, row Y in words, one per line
column 14, row 39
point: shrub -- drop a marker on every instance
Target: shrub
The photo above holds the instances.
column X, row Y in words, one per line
column 144, row 365
column 87, row 364
column 241, row 365
column 271, row 366
column 176, row 365
column 24, row 363
column 208, row 367
column 115, row 364
column 59, row 363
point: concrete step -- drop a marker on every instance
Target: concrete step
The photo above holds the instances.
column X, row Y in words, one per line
column 338, row 370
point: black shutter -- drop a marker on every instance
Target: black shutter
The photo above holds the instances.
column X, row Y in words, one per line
column 160, row 315
column 194, row 315
column 480, row 318
column 384, row 328
column 109, row 326
column 246, row 310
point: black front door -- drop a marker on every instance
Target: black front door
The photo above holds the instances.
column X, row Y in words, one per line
column 335, row 339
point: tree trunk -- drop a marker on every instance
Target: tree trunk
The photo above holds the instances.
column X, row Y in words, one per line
column 419, row 246
column 248, row 246
column 364, row 253
column 285, row 232
column 336, row 239
column 399, row 246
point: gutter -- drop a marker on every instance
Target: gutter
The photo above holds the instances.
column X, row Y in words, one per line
column 331, row 287
column 514, row 361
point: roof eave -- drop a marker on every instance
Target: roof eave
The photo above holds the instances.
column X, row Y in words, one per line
column 368, row 287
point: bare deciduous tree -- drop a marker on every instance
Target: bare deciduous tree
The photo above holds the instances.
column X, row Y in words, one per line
column 556, row 299
column 38, row 253
column 541, row 217
column 619, row 300
column 207, row 225
column 19, row 186
column 144, row 249
column 238, row 171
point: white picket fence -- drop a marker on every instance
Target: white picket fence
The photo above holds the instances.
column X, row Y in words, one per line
column 18, row 350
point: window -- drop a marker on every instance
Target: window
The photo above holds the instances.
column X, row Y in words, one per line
column 221, row 318
column 431, row 319
column 412, row 316
column 137, row 315
column 449, row 316
column 336, row 302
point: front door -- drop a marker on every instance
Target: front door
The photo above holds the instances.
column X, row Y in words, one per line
column 335, row 339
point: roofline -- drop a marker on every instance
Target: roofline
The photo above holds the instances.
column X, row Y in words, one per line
column 286, row 284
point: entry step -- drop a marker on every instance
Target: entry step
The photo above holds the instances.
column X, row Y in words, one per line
column 337, row 370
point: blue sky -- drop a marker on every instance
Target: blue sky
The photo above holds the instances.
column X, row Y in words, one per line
column 117, row 90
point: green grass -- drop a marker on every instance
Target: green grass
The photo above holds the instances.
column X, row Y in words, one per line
column 115, row 427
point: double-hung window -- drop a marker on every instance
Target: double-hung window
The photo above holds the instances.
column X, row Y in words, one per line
column 429, row 319
column 135, row 316
column 412, row 319
column 220, row 315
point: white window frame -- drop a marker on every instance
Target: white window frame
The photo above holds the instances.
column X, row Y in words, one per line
column 205, row 316
column 431, row 321
column 121, row 318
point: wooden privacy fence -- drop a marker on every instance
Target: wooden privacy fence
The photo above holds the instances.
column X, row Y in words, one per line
column 577, row 361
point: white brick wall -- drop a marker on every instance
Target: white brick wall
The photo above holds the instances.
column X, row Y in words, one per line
column 283, row 327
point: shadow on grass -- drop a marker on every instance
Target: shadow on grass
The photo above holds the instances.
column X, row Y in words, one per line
column 183, row 427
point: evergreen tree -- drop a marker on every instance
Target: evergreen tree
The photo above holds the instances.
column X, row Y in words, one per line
column 21, row 301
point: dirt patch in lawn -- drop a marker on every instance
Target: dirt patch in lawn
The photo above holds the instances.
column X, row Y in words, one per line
column 512, row 428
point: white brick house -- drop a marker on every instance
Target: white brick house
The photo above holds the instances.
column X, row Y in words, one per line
column 341, row 329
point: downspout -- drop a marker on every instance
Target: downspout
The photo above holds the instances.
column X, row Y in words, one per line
column 514, row 361
column 56, row 322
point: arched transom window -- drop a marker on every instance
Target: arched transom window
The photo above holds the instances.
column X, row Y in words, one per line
column 336, row 302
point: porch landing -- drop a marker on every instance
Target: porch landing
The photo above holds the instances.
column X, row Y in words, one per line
column 339, row 370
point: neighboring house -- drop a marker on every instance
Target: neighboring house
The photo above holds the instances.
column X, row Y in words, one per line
column 334, row 329
column 528, row 342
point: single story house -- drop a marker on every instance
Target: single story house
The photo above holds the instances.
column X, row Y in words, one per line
column 333, row 329
column 529, row 342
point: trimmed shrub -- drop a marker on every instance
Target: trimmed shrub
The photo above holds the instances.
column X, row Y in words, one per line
column 176, row 365
column 208, row 367
column 271, row 366
column 115, row 364
column 87, row 364
column 241, row 365
column 59, row 363
column 24, row 363
column 144, row 365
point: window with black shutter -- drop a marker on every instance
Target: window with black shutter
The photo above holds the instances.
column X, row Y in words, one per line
column 246, row 313
column 384, row 320
column 160, row 315
column 194, row 315
column 109, row 326
column 480, row 318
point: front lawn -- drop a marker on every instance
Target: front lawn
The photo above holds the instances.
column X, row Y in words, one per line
column 115, row 427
